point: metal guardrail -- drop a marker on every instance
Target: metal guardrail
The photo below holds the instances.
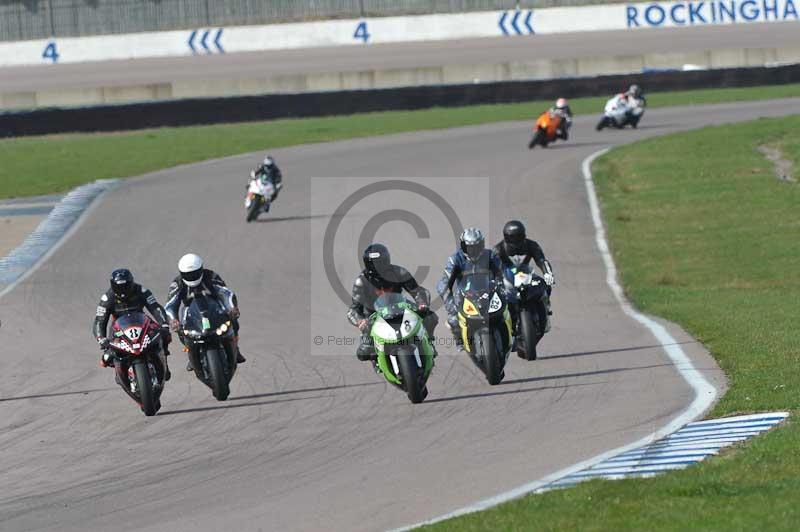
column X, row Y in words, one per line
column 22, row 20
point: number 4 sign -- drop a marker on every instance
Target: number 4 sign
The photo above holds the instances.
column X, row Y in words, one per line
column 51, row 52
column 361, row 32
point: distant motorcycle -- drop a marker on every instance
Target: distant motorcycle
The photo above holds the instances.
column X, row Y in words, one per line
column 485, row 324
column 531, row 293
column 545, row 130
column 405, row 353
column 207, row 332
column 259, row 196
column 139, row 359
column 620, row 112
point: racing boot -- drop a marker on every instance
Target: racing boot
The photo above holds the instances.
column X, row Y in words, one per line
column 366, row 350
column 239, row 357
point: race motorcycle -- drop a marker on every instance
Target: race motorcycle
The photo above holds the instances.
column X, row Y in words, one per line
column 545, row 130
column 620, row 112
column 207, row 334
column 485, row 324
column 139, row 359
column 531, row 292
column 258, row 198
column 404, row 351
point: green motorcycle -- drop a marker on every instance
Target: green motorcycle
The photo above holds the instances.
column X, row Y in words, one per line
column 405, row 353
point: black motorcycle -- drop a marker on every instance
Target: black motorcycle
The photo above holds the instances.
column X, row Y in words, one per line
column 207, row 332
column 532, row 296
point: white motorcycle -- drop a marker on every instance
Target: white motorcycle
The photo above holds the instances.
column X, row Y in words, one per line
column 622, row 111
column 259, row 195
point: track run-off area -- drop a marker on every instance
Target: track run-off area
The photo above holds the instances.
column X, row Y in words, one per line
column 312, row 441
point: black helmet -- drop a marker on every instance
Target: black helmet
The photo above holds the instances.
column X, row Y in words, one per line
column 376, row 260
column 122, row 282
column 472, row 242
column 514, row 233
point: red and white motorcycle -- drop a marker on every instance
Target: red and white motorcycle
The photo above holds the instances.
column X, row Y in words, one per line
column 260, row 193
column 139, row 359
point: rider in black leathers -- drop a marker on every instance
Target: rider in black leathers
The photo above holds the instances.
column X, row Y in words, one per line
column 378, row 277
column 122, row 297
column 516, row 250
column 268, row 170
column 193, row 275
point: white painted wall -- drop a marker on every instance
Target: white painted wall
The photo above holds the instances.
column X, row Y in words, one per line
column 621, row 17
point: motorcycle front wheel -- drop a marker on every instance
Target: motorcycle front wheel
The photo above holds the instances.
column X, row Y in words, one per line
column 487, row 351
column 413, row 376
column 144, row 386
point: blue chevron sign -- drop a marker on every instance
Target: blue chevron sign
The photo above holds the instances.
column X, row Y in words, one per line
column 509, row 23
column 200, row 38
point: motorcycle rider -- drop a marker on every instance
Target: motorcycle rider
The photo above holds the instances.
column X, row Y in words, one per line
column 561, row 109
column 634, row 92
column 268, row 171
column 192, row 274
column 634, row 99
column 472, row 256
column 125, row 296
column 516, row 251
column 378, row 277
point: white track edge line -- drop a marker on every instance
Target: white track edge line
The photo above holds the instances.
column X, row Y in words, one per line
column 705, row 392
column 73, row 228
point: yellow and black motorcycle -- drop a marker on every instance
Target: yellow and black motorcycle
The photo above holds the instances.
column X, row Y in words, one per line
column 485, row 324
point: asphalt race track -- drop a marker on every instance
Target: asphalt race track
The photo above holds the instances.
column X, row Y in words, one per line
column 319, row 442
column 258, row 65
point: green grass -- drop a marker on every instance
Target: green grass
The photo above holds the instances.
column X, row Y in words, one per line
column 44, row 165
column 704, row 235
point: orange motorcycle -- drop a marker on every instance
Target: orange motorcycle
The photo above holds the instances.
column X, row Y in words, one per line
column 545, row 130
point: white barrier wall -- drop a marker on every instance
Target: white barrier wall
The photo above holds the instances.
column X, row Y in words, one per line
column 364, row 32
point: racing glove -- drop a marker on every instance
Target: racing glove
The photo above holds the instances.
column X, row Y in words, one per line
column 549, row 279
column 166, row 334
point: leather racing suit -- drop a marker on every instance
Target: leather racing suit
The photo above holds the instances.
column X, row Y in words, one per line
column 368, row 287
column 519, row 257
column 139, row 299
column 458, row 265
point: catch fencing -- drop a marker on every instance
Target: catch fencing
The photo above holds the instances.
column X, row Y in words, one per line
column 22, row 20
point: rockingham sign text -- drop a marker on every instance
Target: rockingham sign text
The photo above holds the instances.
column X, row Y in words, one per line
column 664, row 14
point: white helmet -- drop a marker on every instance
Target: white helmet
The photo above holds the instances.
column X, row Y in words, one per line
column 191, row 268
column 269, row 161
column 561, row 103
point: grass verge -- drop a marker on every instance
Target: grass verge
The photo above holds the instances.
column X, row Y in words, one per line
column 705, row 235
column 44, row 165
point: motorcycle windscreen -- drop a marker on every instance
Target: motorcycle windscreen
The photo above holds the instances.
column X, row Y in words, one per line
column 131, row 320
column 204, row 314
column 390, row 306
column 476, row 284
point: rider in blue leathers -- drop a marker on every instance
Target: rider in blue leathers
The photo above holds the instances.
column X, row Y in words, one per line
column 471, row 257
